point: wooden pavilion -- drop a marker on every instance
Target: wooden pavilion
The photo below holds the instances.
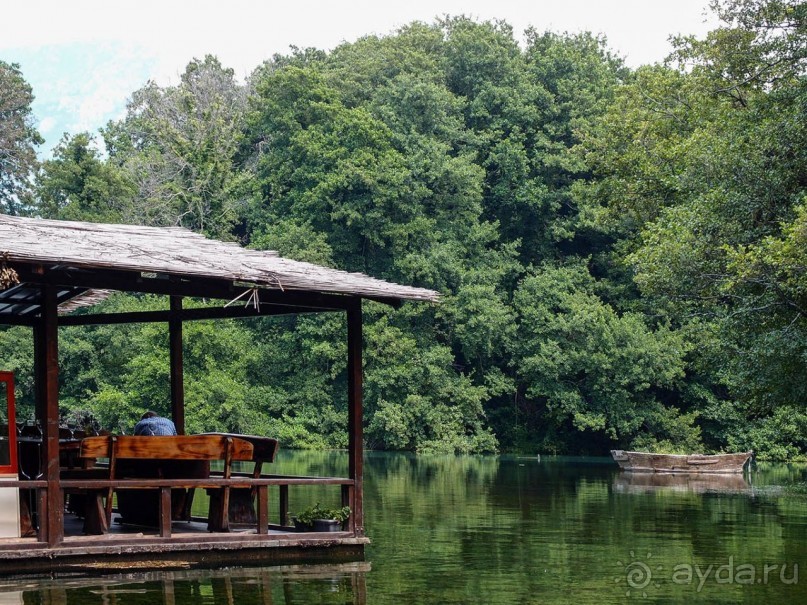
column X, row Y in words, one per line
column 49, row 267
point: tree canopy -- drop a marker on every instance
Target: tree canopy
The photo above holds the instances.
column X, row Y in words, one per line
column 18, row 139
column 621, row 251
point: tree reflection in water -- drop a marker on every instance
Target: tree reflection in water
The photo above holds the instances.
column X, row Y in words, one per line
column 506, row 529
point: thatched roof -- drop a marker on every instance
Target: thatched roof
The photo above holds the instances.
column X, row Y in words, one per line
column 87, row 299
column 180, row 252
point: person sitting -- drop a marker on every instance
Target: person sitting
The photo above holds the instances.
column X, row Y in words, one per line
column 153, row 424
column 141, row 507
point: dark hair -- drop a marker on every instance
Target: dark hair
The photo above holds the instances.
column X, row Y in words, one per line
column 149, row 414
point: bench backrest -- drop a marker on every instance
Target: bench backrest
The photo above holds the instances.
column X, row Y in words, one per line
column 264, row 449
column 180, row 447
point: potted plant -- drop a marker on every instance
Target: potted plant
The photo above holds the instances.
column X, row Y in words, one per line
column 316, row 518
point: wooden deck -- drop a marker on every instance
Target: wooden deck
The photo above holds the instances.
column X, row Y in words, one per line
column 198, row 540
column 190, row 545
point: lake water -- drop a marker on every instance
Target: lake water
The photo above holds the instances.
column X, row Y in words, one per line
column 487, row 529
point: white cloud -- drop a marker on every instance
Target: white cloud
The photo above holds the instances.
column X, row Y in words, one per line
column 46, row 124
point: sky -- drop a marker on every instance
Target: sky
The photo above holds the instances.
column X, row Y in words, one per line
column 84, row 58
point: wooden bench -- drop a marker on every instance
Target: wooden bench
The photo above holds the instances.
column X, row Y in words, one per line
column 159, row 453
column 241, row 506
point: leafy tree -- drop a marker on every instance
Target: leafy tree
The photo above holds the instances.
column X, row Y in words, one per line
column 328, row 165
column 18, row 139
column 604, row 372
column 178, row 145
column 78, row 184
column 419, row 196
column 701, row 170
column 17, row 356
column 417, row 401
column 760, row 44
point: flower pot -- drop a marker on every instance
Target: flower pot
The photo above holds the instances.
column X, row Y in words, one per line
column 300, row 526
column 327, row 525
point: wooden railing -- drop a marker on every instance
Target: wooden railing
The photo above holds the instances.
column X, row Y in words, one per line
column 260, row 485
column 99, row 482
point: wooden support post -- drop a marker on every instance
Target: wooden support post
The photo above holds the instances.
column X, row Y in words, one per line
column 42, row 507
column 224, row 513
column 263, row 509
column 113, row 463
column 284, row 505
column 39, row 376
column 177, row 378
column 354, row 415
column 47, row 374
column 39, row 504
column 347, row 500
column 165, row 512
column 95, row 518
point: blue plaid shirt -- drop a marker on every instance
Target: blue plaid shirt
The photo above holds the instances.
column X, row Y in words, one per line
column 156, row 425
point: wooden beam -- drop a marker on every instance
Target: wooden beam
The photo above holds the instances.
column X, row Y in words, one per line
column 211, row 483
column 355, row 427
column 98, row 319
column 16, row 320
column 52, row 518
column 176, row 358
column 189, row 286
column 204, row 313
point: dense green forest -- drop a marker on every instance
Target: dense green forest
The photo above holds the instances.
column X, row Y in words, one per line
column 621, row 252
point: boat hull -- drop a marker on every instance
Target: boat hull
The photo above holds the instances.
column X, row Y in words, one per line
column 646, row 462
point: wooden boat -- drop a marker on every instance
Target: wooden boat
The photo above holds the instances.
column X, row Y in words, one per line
column 647, row 462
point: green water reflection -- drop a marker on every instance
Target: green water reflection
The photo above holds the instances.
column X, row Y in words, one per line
column 326, row 584
column 517, row 530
